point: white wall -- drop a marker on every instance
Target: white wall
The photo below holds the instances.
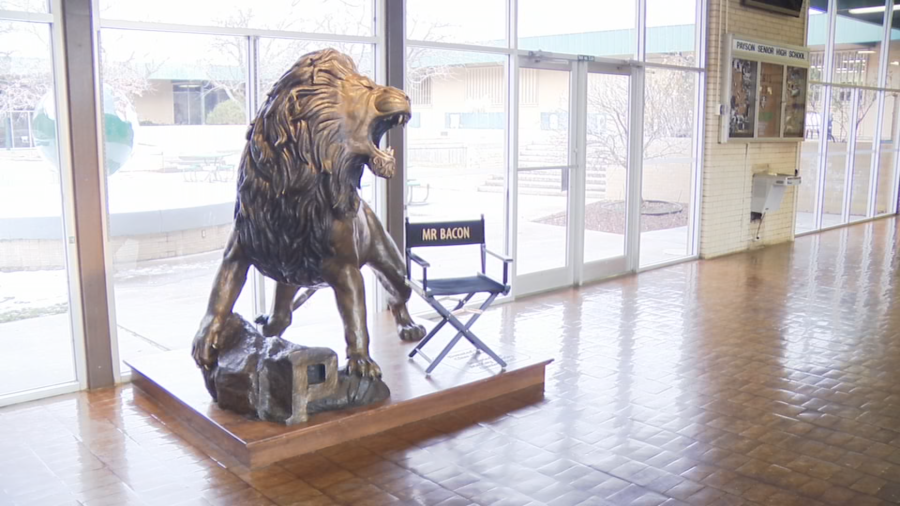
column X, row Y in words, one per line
column 728, row 168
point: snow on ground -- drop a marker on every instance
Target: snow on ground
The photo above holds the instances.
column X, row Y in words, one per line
column 32, row 291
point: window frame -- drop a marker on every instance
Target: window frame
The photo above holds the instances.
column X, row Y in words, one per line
column 53, row 20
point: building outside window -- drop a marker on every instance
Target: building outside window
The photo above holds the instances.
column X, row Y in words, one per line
column 420, row 92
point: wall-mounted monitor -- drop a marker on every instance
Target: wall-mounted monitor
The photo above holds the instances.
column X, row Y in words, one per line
column 764, row 91
column 788, row 7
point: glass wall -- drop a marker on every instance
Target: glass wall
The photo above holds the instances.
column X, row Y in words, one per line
column 176, row 106
column 454, row 22
column 835, row 170
column 672, row 31
column 863, row 152
column 174, row 114
column 577, row 27
column 851, row 108
column 181, row 80
column 459, row 76
column 858, row 34
column 35, row 311
column 667, row 191
column 456, row 141
column 455, row 147
column 344, row 17
column 810, row 156
column 885, row 190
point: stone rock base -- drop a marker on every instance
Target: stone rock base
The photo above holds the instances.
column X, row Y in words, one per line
column 276, row 380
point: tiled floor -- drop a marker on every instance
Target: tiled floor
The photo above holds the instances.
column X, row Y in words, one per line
column 764, row 378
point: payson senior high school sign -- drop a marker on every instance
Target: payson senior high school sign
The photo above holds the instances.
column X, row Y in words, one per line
column 797, row 57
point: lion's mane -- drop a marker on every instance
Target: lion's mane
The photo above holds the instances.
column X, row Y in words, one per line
column 296, row 175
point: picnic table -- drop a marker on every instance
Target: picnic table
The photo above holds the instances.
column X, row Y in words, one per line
column 210, row 167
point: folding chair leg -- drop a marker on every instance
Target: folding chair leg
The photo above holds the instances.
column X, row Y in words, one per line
column 464, row 331
column 444, row 353
column 439, row 326
column 478, row 343
column 427, row 338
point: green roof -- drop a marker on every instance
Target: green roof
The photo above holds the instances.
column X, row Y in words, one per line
column 176, row 71
column 663, row 39
column 660, row 39
column 847, row 31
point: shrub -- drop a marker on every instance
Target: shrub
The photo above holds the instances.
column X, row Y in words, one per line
column 228, row 112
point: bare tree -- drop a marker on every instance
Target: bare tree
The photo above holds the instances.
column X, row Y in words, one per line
column 668, row 116
column 127, row 78
column 23, row 84
column 423, row 64
column 23, row 80
column 840, row 123
column 278, row 55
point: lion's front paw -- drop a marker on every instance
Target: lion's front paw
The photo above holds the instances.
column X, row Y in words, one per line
column 205, row 348
column 362, row 366
column 411, row 332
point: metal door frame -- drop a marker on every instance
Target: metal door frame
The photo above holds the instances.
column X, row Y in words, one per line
column 575, row 271
column 629, row 262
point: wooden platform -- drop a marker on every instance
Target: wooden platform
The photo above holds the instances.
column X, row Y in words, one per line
column 464, row 378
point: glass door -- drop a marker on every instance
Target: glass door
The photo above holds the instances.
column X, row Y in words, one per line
column 545, row 165
column 605, row 174
column 572, row 173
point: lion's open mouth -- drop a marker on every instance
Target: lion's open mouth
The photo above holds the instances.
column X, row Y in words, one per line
column 381, row 162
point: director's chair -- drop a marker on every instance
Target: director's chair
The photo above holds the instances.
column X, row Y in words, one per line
column 454, row 233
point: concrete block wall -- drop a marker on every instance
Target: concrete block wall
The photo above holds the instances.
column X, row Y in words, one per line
column 138, row 248
column 32, row 255
column 728, row 168
column 40, row 254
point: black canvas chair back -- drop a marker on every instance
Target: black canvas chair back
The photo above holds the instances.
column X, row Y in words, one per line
column 453, row 233
column 445, row 233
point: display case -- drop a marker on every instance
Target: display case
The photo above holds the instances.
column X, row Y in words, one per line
column 763, row 91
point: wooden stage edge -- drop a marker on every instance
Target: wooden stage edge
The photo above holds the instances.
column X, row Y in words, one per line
column 172, row 380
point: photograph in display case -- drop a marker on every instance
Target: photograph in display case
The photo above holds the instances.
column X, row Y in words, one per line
column 763, row 91
column 795, row 102
column 771, row 83
column 743, row 97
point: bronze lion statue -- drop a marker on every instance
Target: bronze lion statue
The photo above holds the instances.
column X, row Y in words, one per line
column 298, row 217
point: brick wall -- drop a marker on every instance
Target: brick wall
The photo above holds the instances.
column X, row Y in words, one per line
column 728, row 168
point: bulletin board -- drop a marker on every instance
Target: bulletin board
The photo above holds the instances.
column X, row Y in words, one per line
column 763, row 91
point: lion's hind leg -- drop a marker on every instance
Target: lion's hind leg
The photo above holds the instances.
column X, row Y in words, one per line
column 275, row 323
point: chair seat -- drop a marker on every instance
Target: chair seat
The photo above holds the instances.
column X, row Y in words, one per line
column 457, row 286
